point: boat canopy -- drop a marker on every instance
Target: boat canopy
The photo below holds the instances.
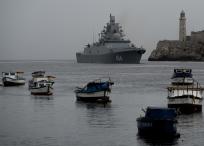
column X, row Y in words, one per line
column 95, row 87
column 51, row 77
column 38, row 73
column 160, row 113
column 20, row 72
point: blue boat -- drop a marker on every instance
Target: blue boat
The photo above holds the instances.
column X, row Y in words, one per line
column 95, row 91
column 158, row 122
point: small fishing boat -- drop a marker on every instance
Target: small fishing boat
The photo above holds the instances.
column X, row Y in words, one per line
column 95, row 91
column 41, row 84
column 185, row 93
column 158, row 122
column 182, row 76
column 12, row 79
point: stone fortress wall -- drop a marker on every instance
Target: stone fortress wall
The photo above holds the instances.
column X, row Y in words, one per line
column 197, row 36
column 188, row 48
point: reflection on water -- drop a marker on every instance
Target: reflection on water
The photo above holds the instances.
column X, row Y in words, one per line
column 98, row 114
column 157, row 141
column 42, row 97
column 191, row 127
column 190, row 120
column 92, row 105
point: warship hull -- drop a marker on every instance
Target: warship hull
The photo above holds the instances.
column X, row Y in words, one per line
column 127, row 57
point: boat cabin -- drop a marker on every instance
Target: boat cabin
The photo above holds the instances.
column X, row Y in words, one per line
column 8, row 74
column 13, row 75
column 182, row 73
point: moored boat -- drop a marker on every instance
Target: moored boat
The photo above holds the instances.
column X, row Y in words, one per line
column 41, row 84
column 185, row 94
column 182, row 77
column 158, row 122
column 95, row 91
column 12, row 79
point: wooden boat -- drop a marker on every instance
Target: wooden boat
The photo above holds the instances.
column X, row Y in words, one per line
column 12, row 79
column 41, row 84
column 158, row 122
column 95, row 91
column 185, row 94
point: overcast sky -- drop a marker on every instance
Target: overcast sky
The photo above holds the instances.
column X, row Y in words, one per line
column 57, row 29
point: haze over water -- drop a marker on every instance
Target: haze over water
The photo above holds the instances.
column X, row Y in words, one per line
column 59, row 120
column 60, row 28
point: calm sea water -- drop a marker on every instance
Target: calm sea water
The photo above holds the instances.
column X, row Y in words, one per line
column 59, row 120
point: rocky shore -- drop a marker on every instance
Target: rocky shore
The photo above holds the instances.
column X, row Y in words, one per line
column 178, row 51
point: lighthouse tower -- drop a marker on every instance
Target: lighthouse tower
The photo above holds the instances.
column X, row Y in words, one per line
column 182, row 27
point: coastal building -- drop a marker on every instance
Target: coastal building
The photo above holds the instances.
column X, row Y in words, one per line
column 187, row 48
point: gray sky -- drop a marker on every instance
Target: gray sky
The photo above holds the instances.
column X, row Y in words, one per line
column 57, row 29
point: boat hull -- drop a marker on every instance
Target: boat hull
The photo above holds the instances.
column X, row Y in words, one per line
column 93, row 97
column 156, row 127
column 125, row 57
column 185, row 103
column 47, row 90
column 186, row 108
column 12, row 82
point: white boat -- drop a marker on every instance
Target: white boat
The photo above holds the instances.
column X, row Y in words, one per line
column 185, row 94
column 182, row 76
column 95, row 91
column 41, row 84
column 12, row 79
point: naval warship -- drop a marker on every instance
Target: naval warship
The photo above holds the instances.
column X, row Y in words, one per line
column 112, row 47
